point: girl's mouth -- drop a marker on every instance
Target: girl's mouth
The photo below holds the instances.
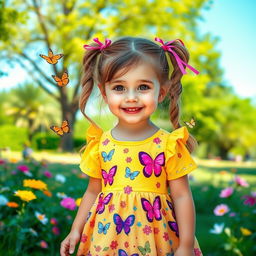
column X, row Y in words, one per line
column 131, row 110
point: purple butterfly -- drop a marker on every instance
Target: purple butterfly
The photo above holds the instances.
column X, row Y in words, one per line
column 152, row 211
column 150, row 164
column 123, row 253
column 102, row 202
column 174, row 227
column 172, row 208
column 108, row 177
column 120, row 224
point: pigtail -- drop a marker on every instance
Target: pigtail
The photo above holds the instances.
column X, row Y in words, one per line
column 175, row 90
column 88, row 80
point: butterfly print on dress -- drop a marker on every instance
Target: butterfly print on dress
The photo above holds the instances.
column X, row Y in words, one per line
column 107, row 156
column 151, row 165
column 102, row 202
column 172, row 208
column 126, row 225
column 103, row 229
column 124, row 253
column 174, row 227
column 130, row 174
column 109, row 177
column 152, row 211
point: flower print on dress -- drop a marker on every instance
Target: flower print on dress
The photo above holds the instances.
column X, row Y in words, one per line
column 107, row 156
column 124, row 253
column 152, row 210
column 157, row 140
column 102, row 202
column 103, row 229
column 130, row 174
column 126, row 225
column 151, row 165
column 109, row 177
column 105, row 142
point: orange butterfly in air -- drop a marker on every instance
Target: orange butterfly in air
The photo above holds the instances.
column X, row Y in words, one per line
column 63, row 81
column 51, row 58
column 65, row 128
column 191, row 123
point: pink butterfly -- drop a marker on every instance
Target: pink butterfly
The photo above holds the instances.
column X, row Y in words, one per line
column 108, row 177
column 150, row 164
column 152, row 211
column 102, row 202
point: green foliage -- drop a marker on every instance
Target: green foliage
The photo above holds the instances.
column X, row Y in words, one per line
column 13, row 137
column 45, row 141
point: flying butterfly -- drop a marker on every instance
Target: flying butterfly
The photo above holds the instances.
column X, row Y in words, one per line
column 191, row 123
column 65, row 128
column 51, row 58
column 63, row 81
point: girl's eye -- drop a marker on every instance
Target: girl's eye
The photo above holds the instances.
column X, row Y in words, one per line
column 118, row 88
column 144, row 87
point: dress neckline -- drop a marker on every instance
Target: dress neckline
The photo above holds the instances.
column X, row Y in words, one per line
column 132, row 142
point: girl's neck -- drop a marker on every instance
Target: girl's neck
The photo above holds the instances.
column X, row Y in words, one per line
column 134, row 131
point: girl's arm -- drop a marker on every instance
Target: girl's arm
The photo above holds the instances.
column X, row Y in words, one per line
column 185, row 212
column 89, row 197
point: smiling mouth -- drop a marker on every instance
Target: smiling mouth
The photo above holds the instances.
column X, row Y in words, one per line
column 131, row 110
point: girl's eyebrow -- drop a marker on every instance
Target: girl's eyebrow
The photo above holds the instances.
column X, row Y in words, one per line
column 143, row 80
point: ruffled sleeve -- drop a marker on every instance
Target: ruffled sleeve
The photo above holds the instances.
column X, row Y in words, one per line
column 90, row 161
column 178, row 159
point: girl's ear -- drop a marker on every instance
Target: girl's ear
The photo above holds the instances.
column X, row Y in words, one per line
column 162, row 92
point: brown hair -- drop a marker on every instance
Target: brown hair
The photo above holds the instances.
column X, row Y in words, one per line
column 100, row 66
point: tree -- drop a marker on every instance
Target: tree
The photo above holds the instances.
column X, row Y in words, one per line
column 64, row 26
column 32, row 108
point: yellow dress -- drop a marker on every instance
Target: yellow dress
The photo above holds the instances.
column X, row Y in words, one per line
column 133, row 214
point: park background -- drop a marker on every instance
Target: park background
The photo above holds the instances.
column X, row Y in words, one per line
column 219, row 36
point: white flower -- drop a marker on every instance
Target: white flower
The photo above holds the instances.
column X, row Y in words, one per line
column 41, row 217
column 217, row 228
column 61, row 195
column 3, row 200
column 61, row 178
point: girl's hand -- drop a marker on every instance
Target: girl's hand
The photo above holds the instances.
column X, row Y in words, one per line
column 68, row 245
column 184, row 251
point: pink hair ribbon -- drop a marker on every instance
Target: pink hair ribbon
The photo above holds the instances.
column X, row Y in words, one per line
column 168, row 47
column 101, row 45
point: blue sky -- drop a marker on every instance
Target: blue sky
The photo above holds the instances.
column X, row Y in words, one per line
column 232, row 21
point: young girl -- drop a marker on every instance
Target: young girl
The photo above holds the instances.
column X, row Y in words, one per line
column 126, row 209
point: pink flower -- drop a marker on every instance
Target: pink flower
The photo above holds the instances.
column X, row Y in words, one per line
column 111, row 207
column 2, row 161
column 232, row 214
column 126, row 150
column 123, row 204
column 126, row 244
column 156, row 230
column 43, row 244
column 128, row 159
column 128, row 190
column 147, row 230
column 226, row 192
column 47, row 174
column 221, row 209
column 68, row 203
column 241, row 182
column 113, row 245
column 98, row 248
column 23, row 168
column 54, row 221
column 84, row 238
column 157, row 140
column 197, row 252
column 105, row 142
column 250, row 200
column 55, row 230
column 166, row 236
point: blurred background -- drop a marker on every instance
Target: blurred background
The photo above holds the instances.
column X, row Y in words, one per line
column 222, row 100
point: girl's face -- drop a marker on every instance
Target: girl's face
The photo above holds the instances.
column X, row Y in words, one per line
column 134, row 96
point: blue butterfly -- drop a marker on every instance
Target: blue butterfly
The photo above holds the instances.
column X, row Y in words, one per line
column 126, row 225
column 107, row 157
column 130, row 174
column 103, row 229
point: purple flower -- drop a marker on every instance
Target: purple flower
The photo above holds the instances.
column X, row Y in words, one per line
column 250, row 199
column 68, row 203
column 226, row 192
column 47, row 174
column 23, row 168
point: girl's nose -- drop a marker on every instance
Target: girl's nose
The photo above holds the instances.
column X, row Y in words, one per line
column 131, row 97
